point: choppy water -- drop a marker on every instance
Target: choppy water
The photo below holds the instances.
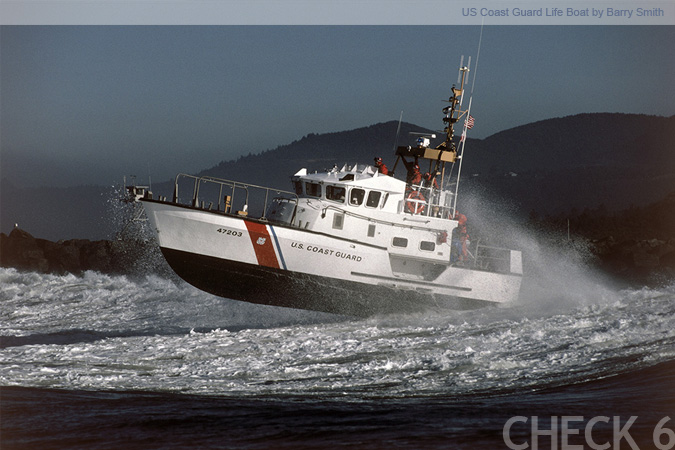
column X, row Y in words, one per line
column 115, row 362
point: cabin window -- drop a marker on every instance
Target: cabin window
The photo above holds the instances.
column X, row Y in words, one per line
column 298, row 187
column 336, row 193
column 400, row 242
column 371, row 230
column 356, row 196
column 313, row 189
column 373, row 199
column 338, row 221
column 427, row 246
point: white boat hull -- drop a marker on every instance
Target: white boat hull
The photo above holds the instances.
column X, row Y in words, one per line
column 259, row 262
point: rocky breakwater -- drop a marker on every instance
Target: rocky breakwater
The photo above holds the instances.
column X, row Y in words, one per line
column 638, row 261
column 24, row 252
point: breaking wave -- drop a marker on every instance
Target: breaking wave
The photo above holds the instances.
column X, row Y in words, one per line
column 103, row 332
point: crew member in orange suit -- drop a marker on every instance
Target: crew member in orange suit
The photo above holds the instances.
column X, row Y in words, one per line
column 381, row 167
column 414, row 175
column 430, row 180
column 460, row 236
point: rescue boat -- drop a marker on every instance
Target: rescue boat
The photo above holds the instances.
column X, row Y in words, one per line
column 353, row 240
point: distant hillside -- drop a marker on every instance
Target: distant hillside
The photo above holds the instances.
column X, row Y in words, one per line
column 553, row 165
column 274, row 168
column 583, row 141
column 582, row 161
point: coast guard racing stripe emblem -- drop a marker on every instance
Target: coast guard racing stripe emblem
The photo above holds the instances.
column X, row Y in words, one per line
column 262, row 244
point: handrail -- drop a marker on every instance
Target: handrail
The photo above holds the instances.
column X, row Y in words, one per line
column 481, row 258
column 384, row 222
column 430, row 194
column 232, row 185
column 484, row 254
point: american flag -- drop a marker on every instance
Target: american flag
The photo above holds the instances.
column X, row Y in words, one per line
column 469, row 123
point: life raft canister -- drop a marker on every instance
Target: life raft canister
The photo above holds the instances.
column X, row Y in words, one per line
column 415, row 203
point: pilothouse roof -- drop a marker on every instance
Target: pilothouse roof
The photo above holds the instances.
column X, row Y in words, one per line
column 357, row 175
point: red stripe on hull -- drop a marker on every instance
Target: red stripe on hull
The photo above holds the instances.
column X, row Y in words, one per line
column 262, row 244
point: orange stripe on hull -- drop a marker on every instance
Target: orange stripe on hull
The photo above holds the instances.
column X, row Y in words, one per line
column 262, row 244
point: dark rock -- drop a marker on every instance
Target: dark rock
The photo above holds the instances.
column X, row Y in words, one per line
column 645, row 259
column 22, row 251
column 638, row 261
column 63, row 257
column 668, row 261
column 96, row 256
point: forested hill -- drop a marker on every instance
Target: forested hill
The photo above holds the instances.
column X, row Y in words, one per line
column 317, row 152
column 583, row 141
column 581, row 161
column 586, row 160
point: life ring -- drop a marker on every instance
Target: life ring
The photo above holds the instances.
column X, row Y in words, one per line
column 416, row 202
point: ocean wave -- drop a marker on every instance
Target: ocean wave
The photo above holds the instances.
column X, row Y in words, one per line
column 102, row 332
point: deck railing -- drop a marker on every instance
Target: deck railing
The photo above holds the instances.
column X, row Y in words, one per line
column 494, row 259
column 433, row 202
column 228, row 196
column 244, row 199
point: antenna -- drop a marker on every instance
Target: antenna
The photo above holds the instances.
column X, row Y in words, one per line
column 398, row 130
column 462, row 69
column 468, row 114
column 480, row 40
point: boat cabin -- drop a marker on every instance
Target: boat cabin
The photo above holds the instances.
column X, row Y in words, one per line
column 359, row 187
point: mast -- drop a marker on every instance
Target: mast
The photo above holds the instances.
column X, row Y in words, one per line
column 468, row 118
column 446, row 151
column 453, row 114
column 461, row 153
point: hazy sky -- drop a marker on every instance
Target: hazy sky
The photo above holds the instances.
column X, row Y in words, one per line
column 89, row 104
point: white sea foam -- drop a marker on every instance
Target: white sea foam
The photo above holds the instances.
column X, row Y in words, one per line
column 44, row 303
column 154, row 334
